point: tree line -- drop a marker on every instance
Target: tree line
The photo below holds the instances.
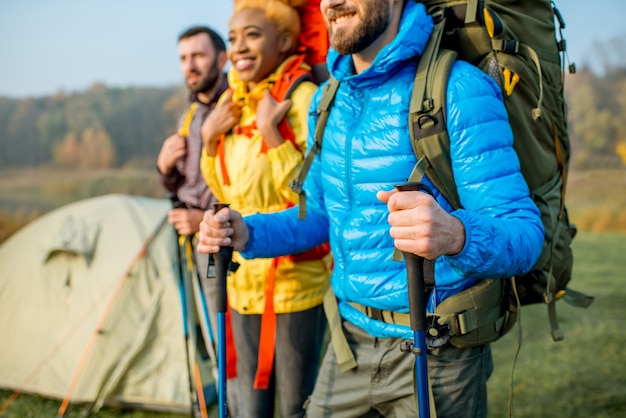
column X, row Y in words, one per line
column 112, row 127
column 98, row 128
column 597, row 118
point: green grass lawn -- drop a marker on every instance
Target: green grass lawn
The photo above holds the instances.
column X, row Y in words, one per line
column 585, row 374
column 582, row 376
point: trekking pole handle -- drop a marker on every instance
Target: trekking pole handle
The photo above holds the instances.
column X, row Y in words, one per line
column 176, row 202
column 417, row 294
column 222, row 260
column 415, row 272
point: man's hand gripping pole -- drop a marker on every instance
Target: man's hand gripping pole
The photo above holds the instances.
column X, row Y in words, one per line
column 418, row 269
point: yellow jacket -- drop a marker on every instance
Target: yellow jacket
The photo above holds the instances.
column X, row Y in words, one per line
column 259, row 182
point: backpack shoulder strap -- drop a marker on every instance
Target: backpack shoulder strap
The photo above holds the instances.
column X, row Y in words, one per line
column 427, row 117
column 183, row 130
column 323, row 110
column 295, row 72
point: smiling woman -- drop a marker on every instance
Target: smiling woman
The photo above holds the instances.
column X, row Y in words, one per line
column 254, row 144
column 257, row 46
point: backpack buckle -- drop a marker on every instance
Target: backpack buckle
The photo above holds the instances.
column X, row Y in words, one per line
column 437, row 334
column 296, row 186
column 510, row 46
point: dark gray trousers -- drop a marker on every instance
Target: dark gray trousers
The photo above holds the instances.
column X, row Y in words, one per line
column 299, row 338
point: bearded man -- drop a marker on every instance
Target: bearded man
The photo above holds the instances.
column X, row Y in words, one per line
column 202, row 54
column 350, row 201
column 202, row 59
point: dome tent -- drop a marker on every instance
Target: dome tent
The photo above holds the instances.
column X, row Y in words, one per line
column 91, row 311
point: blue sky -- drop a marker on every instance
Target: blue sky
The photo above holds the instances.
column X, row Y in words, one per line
column 46, row 46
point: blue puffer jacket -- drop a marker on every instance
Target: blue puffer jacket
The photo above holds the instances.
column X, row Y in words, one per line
column 366, row 148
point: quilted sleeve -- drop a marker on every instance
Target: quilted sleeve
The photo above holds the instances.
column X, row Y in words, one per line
column 504, row 232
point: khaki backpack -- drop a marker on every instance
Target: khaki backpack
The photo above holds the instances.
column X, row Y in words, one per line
column 514, row 42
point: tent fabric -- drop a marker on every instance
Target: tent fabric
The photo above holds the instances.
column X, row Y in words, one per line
column 90, row 305
column 75, row 236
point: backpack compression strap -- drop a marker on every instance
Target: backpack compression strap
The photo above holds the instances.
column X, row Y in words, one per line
column 323, row 110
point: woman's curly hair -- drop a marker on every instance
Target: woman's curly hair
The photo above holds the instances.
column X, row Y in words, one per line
column 283, row 13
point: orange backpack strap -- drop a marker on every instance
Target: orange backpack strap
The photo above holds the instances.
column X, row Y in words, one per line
column 294, row 73
column 267, row 338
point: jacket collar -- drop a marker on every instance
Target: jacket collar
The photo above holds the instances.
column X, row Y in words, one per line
column 415, row 29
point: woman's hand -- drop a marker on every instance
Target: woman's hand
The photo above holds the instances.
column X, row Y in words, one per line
column 269, row 113
column 221, row 120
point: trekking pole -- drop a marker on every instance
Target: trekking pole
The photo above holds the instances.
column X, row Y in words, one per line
column 177, row 204
column 416, row 272
column 221, row 261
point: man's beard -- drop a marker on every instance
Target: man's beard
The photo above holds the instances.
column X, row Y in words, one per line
column 375, row 22
column 206, row 83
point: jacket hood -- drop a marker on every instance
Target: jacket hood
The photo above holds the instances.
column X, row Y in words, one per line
column 415, row 29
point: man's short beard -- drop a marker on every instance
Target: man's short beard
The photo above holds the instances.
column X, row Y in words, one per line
column 371, row 28
column 208, row 82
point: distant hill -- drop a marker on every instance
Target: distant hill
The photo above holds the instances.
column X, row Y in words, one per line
column 99, row 128
column 66, row 147
column 114, row 128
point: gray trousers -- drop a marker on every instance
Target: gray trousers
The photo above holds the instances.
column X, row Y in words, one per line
column 299, row 337
column 382, row 384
